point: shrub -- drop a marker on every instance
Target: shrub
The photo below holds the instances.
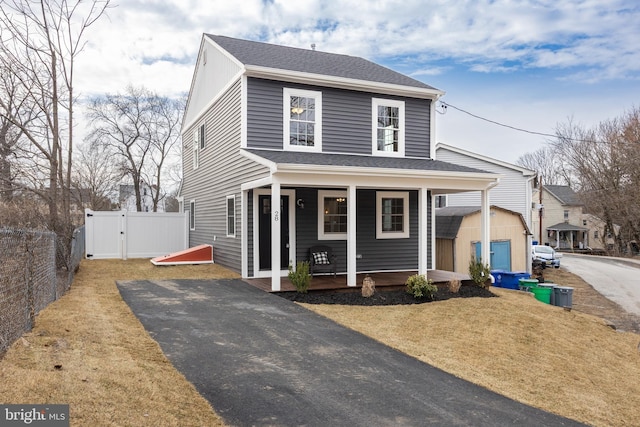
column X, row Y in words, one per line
column 420, row 287
column 479, row 272
column 300, row 277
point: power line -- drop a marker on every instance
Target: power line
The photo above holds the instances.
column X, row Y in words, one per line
column 446, row 105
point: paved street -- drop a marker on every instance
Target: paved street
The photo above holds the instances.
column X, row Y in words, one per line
column 617, row 280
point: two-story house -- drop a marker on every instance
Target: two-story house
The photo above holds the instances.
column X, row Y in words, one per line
column 287, row 148
column 559, row 220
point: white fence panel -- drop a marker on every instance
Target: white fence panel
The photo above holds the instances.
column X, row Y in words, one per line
column 102, row 234
column 134, row 234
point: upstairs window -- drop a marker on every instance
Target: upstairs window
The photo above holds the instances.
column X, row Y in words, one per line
column 302, row 120
column 192, row 215
column 201, row 137
column 566, row 216
column 332, row 215
column 388, row 127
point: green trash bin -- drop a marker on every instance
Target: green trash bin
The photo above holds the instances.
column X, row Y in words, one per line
column 528, row 284
column 542, row 294
column 551, row 286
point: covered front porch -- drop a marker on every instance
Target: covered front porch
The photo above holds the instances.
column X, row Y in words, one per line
column 386, row 219
column 383, row 281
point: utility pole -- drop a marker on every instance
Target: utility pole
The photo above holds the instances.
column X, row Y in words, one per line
column 540, row 208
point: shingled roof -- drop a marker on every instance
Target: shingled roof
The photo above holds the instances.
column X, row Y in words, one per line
column 312, row 61
column 355, row 161
column 564, row 194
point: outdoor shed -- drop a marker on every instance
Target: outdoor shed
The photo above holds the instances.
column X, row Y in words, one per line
column 458, row 239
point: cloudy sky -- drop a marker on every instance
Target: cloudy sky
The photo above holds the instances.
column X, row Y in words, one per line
column 526, row 64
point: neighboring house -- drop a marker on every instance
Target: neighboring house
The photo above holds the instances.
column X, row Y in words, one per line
column 514, row 192
column 564, row 223
column 127, row 199
column 287, row 148
column 458, row 239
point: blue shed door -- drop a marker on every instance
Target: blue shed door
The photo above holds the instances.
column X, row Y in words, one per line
column 500, row 255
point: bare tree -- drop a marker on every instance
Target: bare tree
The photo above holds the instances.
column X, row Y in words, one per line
column 143, row 130
column 96, row 176
column 605, row 163
column 40, row 41
column 548, row 163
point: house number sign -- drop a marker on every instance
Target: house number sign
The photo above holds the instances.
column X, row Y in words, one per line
column 276, row 216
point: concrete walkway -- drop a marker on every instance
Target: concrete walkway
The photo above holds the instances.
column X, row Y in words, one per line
column 262, row 360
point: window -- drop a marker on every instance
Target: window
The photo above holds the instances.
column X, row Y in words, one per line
column 595, row 234
column 332, row 215
column 392, row 215
column 201, row 136
column 302, row 120
column 441, row 201
column 388, row 127
column 231, row 216
column 196, row 152
column 584, row 222
column 566, row 216
column 192, row 215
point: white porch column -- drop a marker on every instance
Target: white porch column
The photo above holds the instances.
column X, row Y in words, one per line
column 244, row 242
column 485, row 227
column 423, row 235
column 351, row 236
column 276, row 220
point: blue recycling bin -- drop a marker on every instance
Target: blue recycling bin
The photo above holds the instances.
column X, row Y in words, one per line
column 497, row 276
column 511, row 279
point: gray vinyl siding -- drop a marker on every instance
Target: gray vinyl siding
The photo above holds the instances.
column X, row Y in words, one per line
column 377, row 255
column 346, row 119
column 221, row 172
column 510, row 193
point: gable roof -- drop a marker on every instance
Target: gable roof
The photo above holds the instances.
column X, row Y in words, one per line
column 523, row 171
column 449, row 219
column 564, row 194
column 296, row 64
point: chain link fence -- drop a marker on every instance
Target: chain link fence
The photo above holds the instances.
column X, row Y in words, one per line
column 29, row 280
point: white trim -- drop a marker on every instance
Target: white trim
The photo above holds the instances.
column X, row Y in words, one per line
column 341, row 82
column 244, row 100
column 244, row 238
column 380, row 102
column 196, row 149
column 321, row 233
column 287, row 93
column 226, row 209
column 192, row 214
column 256, row 232
column 523, row 171
column 404, row 234
column 352, row 262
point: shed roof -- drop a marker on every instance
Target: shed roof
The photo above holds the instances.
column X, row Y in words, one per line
column 449, row 219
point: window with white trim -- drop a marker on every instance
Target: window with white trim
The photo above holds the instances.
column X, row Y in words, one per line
column 302, row 121
column 332, row 215
column 196, row 151
column 392, row 215
column 201, row 140
column 388, row 127
column 231, row 216
column 192, row 215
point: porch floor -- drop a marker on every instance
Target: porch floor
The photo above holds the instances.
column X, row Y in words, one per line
column 384, row 281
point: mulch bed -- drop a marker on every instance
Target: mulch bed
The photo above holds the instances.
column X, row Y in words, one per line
column 395, row 297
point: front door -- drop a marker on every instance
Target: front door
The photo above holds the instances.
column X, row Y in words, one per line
column 264, row 231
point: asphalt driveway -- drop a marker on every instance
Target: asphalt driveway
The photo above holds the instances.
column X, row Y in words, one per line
column 262, row 360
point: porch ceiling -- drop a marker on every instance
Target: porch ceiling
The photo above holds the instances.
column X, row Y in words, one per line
column 319, row 169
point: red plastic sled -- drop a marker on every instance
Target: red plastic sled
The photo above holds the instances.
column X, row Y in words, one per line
column 202, row 254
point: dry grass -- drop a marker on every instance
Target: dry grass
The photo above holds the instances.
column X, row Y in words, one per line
column 565, row 362
column 113, row 373
column 88, row 350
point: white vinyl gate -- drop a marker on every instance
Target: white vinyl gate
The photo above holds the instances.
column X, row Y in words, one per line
column 122, row 234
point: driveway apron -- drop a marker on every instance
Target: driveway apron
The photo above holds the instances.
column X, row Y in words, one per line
column 262, row 360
